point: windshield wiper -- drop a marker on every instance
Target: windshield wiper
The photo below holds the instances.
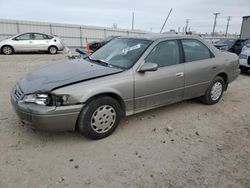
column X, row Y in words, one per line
column 100, row 61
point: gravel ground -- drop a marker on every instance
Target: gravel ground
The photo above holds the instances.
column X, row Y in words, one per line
column 208, row 146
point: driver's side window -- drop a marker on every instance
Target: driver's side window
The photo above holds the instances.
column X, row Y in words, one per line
column 165, row 53
column 27, row 36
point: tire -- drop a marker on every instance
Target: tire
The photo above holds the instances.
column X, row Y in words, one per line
column 52, row 50
column 243, row 70
column 214, row 91
column 99, row 118
column 7, row 50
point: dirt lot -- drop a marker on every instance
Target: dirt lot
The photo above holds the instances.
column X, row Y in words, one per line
column 209, row 146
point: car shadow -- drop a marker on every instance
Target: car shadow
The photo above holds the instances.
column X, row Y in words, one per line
column 245, row 73
column 34, row 53
column 75, row 136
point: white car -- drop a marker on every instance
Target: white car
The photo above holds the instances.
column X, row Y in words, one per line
column 245, row 58
column 31, row 42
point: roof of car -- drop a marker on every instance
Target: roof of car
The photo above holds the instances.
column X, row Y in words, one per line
column 156, row 36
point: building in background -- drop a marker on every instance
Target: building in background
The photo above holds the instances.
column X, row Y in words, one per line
column 245, row 28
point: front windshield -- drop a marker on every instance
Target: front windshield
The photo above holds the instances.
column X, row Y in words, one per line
column 228, row 42
column 121, row 52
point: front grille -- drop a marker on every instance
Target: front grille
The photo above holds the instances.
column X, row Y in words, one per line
column 17, row 93
column 243, row 56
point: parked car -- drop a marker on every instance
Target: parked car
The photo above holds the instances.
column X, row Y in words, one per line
column 231, row 45
column 245, row 58
column 31, row 42
column 93, row 46
column 124, row 77
column 246, row 45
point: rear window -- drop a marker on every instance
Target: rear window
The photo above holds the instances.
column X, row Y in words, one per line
column 194, row 50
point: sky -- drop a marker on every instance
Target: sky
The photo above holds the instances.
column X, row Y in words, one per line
column 149, row 14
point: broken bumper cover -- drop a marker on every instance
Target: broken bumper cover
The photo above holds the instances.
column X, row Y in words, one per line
column 47, row 118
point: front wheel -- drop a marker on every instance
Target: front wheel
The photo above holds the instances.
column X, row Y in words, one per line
column 52, row 50
column 214, row 92
column 99, row 118
column 7, row 50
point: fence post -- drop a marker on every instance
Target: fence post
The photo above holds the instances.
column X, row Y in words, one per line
column 105, row 33
column 50, row 29
column 81, row 37
column 17, row 28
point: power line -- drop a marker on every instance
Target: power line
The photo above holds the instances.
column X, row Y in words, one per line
column 215, row 18
column 133, row 20
column 228, row 20
column 166, row 20
column 186, row 28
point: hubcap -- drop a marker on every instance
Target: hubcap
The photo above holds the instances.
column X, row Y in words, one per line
column 103, row 119
column 52, row 50
column 7, row 50
column 216, row 91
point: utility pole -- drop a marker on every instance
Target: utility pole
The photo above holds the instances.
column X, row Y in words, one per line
column 166, row 20
column 186, row 28
column 215, row 19
column 133, row 20
column 228, row 20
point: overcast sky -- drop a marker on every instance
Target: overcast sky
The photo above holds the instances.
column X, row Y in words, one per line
column 149, row 14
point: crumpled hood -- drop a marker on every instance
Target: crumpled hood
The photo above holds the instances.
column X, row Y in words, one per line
column 220, row 45
column 61, row 74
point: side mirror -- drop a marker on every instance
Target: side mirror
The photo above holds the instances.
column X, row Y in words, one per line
column 148, row 67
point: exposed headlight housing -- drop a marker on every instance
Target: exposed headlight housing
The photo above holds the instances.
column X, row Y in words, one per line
column 45, row 99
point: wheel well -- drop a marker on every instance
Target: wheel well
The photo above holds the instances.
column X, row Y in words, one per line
column 6, row 45
column 114, row 96
column 225, row 78
column 53, row 46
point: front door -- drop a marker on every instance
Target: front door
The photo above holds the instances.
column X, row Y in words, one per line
column 163, row 86
column 23, row 42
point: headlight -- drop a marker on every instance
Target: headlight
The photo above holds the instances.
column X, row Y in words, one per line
column 46, row 99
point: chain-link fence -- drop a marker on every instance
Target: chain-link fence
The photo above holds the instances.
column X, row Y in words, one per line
column 72, row 35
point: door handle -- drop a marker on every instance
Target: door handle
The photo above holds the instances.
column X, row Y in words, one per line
column 179, row 74
column 214, row 67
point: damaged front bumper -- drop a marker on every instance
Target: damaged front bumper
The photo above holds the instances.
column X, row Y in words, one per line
column 47, row 118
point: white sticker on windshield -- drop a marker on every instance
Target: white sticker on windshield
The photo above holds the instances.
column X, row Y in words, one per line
column 126, row 50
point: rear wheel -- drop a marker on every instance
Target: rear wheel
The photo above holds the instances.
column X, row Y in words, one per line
column 214, row 92
column 99, row 118
column 52, row 50
column 7, row 50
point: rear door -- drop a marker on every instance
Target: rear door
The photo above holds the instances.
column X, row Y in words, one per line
column 41, row 41
column 165, row 85
column 200, row 67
